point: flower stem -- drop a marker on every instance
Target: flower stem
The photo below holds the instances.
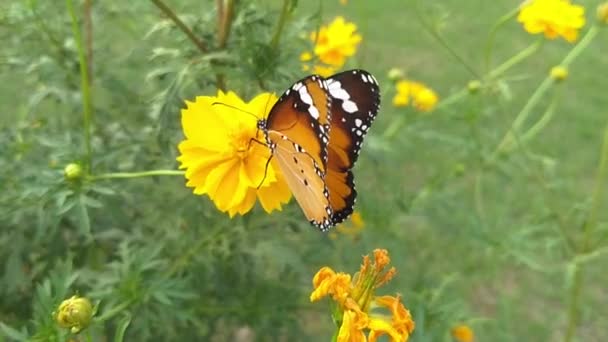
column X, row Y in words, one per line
column 520, row 56
column 274, row 43
column 490, row 42
column 137, row 174
column 588, row 227
column 180, row 24
column 523, row 115
column 114, row 311
column 434, row 31
column 85, row 87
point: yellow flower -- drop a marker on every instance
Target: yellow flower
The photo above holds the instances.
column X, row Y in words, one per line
column 344, row 2
column 554, row 18
column 353, row 228
column 225, row 156
column 463, row 333
column 74, row 313
column 357, row 304
column 602, row 13
column 332, row 45
column 421, row 97
column 335, row 42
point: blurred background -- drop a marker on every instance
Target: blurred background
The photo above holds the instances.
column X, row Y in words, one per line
column 512, row 244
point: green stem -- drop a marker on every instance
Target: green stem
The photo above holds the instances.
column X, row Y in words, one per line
column 520, row 56
column 180, row 24
column 137, row 174
column 433, row 31
column 541, row 123
column 114, row 311
column 87, row 102
column 507, row 141
column 588, row 227
column 490, row 42
column 274, row 43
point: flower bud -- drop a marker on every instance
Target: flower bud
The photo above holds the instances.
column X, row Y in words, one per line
column 395, row 74
column 474, row 86
column 72, row 171
column 74, row 313
column 559, row 73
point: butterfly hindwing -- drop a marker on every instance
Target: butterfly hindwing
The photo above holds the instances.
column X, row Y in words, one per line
column 355, row 100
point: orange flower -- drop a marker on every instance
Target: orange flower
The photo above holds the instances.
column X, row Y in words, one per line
column 463, row 333
column 356, row 300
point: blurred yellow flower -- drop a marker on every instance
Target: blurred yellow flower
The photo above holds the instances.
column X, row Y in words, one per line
column 221, row 157
column 352, row 228
column 358, row 305
column 602, row 13
column 344, row 2
column 421, row 97
column 463, row 333
column 554, row 18
column 333, row 44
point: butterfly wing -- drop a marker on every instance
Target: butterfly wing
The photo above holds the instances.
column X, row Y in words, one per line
column 297, row 130
column 355, row 100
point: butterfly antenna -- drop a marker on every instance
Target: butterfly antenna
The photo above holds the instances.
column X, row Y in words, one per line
column 236, row 108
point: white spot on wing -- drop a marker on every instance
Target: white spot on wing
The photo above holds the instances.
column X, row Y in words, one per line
column 358, row 122
column 307, row 99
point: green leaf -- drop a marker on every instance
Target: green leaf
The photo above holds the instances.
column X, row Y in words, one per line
column 122, row 328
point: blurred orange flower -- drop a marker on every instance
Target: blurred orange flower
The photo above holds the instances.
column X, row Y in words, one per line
column 463, row 333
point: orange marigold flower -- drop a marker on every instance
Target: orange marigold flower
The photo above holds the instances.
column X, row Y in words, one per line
column 421, row 97
column 554, row 18
column 222, row 158
column 463, row 333
column 357, row 303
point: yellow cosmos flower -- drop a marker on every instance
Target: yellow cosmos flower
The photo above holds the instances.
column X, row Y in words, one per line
column 333, row 44
column 420, row 96
column 358, row 306
column 224, row 154
column 336, row 41
column 463, row 333
column 602, row 13
column 554, row 18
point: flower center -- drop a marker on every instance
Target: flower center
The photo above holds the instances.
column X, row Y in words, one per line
column 240, row 141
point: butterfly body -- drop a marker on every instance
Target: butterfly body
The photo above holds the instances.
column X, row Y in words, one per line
column 315, row 132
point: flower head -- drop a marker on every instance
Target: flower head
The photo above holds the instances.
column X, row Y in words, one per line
column 224, row 156
column 333, row 44
column 420, row 96
column 554, row 18
column 358, row 305
column 74, row 313
column 463, row 333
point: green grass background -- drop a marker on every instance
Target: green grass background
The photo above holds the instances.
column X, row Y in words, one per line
column 471, row 245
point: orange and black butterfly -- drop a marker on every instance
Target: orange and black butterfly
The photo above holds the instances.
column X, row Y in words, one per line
column 315, row 132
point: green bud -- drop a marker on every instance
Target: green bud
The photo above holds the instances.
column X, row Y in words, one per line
column 74, row 313
column 395, row 74
column 72, row 171
column 474, row 86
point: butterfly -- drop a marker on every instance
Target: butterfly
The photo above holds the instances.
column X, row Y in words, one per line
column 315, row 131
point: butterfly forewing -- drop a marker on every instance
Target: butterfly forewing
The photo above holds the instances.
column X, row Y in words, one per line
column 355, row 99
column 302, row 114
column 297, row 130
